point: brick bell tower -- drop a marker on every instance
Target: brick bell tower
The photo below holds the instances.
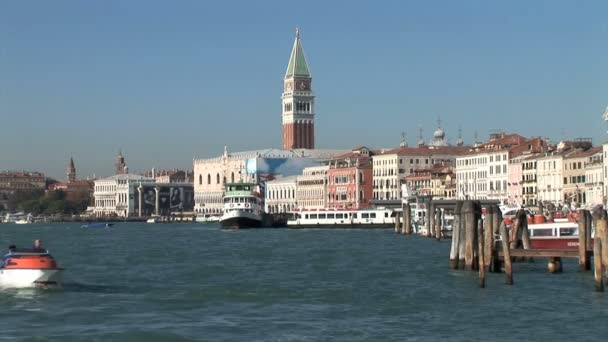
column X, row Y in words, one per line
column 298, row 101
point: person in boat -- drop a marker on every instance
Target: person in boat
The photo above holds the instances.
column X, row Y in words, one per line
column 37, row 247
column 11, row 249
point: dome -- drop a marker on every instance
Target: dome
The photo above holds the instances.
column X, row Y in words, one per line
column 459, row 142
column 439, row 134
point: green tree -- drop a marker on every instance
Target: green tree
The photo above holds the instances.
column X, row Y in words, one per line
column 31, row 206
column 21, row 196
column 57, row 207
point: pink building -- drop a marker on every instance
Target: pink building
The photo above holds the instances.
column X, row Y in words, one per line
column 515, row 193
column 349, row 178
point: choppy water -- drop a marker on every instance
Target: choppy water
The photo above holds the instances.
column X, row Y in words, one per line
column 184, row 282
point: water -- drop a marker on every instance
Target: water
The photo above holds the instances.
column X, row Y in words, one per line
column 187, row 282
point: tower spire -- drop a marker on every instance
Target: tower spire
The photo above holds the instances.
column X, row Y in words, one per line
column 459, row 141
column 403, row 140
column 298, row 101
column 71, row 171
column 297, row 67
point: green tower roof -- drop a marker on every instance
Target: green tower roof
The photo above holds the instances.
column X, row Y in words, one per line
column 297, row 66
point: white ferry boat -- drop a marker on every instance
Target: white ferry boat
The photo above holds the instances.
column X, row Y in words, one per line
column 206, row 218
column 243, row 206
column 336, row 218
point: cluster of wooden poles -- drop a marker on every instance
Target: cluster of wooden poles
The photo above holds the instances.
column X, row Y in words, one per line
column 476, row 247
column 434, row 226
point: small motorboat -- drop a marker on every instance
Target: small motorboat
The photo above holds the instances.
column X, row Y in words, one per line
column 29, row 268
column 152, row 220
column 97, row 225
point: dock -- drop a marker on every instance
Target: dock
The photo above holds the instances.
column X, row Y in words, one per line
column 485, row 244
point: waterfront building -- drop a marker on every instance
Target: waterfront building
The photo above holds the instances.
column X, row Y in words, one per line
column 551, row 169
column 281, row 195
column 12, row 181
column 577, row 165
column 390, row 167
column 594, row 178
column 438, row 181
column 549, row 178
column 515, row 189
column 298, row 101
column 483, row 173
column 350, row 180
column 115, row 195
column 311, row 192
column 170, row 176
column 258, row 166
column 126, row 195
column 529, row 180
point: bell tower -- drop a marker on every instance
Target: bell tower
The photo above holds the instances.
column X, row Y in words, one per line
column 298, row 101
column 120, row 164
column 71, row 173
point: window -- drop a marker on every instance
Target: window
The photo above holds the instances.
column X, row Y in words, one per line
column 200, row 179
column 321, row 216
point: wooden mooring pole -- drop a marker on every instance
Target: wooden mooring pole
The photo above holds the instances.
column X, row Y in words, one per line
column 438, row 224
column 470, row 231
column 397, row 222
column 462, row 237
column 597, row 265
column 506, row 253
column 427, row 217
column 488, row 238
column 431, row 216
column 455, row 236
column 480, row 253
column 601, row 232
column 583, row 263
column 405, row 208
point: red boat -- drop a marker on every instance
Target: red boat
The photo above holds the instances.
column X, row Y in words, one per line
column 554, row 235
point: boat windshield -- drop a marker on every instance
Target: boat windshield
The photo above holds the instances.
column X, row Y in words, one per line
column 27, row 251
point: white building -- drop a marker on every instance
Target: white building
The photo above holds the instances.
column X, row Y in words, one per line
column 485, row 173
column 211, row 174
column 281, row 195
column 529, row 179
column 593, row 177
column 116, row 195
column 311, row 192
column 391, row 167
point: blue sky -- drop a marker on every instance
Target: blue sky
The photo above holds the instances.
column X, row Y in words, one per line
column 169, row 80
